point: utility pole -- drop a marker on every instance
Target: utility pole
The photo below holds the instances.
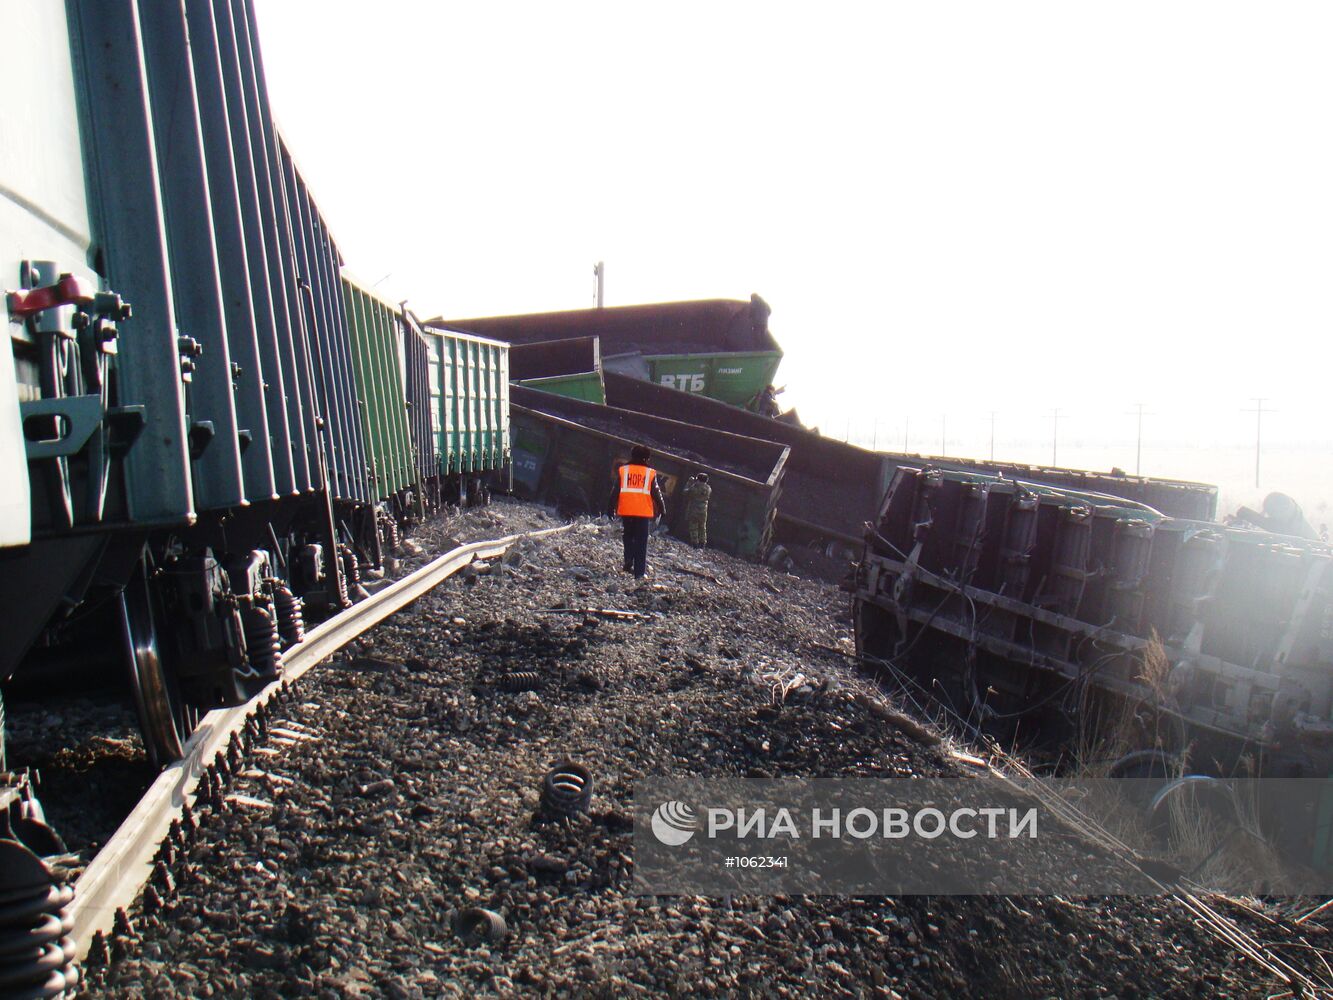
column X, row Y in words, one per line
column 943, row 425
column 992, row 435
column 907, row 428
column 1055, row 433
column 874, row 443
column 1258, row 412
column 1138, row 447
column 599, row 272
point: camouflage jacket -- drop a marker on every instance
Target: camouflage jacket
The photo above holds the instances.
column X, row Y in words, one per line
column 696, row 497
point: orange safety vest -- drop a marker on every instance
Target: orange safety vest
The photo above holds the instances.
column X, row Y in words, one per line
column 636, row 491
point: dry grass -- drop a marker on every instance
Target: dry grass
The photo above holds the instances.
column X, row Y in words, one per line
column 1211, row 836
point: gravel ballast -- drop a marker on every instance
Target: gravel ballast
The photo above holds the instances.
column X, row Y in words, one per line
column 398, row 788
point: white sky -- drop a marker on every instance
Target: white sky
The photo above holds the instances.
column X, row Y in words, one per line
column 952, row 208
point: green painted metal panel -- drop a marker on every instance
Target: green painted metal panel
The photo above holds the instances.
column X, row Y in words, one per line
column 470, row 399
column 486, row 392
column 390, row 401
column 497, row 409
column 587, row 386
column 734, row 377
column 379, row 389
column 375, row 374
column 356, row 325
column 373, row 406
column 435, row 394
column 393, row 394
column 451, row 409
column 504, row 408
column 475, row 454
column 462, row 372
column 378, row 368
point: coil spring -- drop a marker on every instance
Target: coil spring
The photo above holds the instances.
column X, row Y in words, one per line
column 291, row 617
column 567, row 790
column 522, row 680
column 477, row 924
column 389, row 530
column 344, row 599
column 351, row 567
column 35, row 944
column 263, row 649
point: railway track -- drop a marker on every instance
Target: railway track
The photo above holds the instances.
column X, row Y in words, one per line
column 121, row 869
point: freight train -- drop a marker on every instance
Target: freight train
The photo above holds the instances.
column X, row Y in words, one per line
column 207, row 428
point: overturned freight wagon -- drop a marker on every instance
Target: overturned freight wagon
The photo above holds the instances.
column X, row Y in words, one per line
column 1173, row 497
column 1047, row 612
column 1174, row 650
column 831, row 488
column 717, row 347
column 565, row 367
column 565, row 452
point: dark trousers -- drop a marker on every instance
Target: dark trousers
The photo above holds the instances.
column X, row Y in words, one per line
column 637, row 530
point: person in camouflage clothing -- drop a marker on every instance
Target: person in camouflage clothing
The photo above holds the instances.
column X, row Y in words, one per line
column 697, row 492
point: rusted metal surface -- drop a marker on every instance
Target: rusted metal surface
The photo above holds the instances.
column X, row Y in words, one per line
column 566, row 451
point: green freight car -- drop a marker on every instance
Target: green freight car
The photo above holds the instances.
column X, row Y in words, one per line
column 460, row 383
column 376, row 330
column 467, row 382
column 720, row 348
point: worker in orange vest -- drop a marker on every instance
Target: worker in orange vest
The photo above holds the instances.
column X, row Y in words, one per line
column 636, row 498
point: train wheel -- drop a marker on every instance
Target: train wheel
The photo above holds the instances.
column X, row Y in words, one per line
column 164, row 718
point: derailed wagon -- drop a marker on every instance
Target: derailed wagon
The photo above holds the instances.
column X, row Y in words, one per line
column 565, row 452
column 831, row 488
column 720, row 348
column 1057, row 618
column 565, row 367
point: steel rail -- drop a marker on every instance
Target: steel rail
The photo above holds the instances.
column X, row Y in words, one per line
column 122, row 867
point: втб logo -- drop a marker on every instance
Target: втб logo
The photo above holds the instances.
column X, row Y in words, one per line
column 674, row 823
